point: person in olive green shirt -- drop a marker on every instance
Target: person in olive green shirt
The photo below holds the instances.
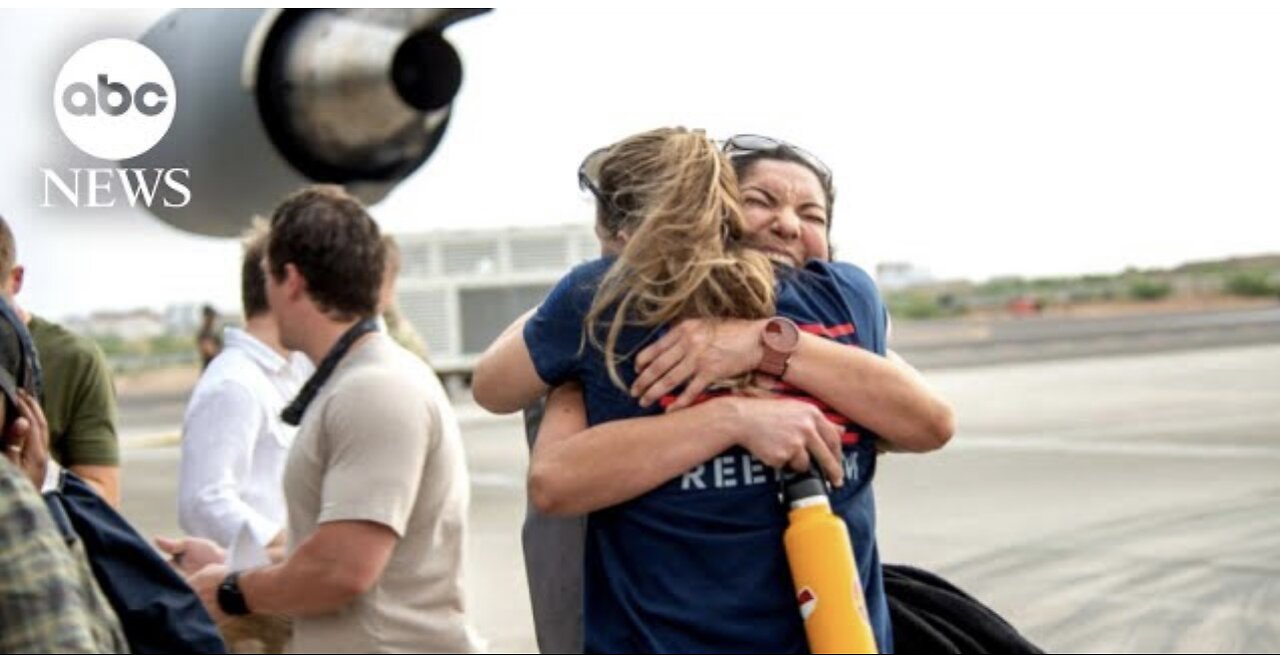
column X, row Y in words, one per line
column 79, row 398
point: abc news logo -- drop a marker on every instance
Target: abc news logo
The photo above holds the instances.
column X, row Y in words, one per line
column 86, row 105
column 115, row 99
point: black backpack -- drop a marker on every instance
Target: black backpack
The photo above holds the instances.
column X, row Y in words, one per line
column 159, row 612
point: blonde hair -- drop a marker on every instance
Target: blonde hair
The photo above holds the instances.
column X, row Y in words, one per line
column 686, row 255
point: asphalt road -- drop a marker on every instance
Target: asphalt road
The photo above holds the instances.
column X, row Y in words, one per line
column 952, row 344
column 1117, row 504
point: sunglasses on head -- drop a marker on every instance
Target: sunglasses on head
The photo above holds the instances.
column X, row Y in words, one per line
column 741, row 145
column 735, row 146
column 589, row 180
column 589, row 174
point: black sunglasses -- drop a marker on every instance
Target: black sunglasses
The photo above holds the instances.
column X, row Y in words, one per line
column 735, row 146
column 589, row 174
column 747, row 144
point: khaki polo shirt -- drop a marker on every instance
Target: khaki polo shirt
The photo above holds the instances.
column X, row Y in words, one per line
column 380, row 443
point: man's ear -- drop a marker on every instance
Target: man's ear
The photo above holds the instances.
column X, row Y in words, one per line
column 294, row 284
column 16, row 277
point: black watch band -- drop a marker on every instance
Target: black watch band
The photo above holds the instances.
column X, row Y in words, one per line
column 230, row 598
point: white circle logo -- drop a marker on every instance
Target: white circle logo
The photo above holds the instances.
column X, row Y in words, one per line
column 114, row 99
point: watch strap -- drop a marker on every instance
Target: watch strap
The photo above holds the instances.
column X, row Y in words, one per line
column 230, row 597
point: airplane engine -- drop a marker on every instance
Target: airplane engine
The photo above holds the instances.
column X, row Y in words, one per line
column 270, row 100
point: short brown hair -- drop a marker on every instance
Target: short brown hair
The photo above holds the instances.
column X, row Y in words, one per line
column 335, row 245
column 8, row 248
column 253, row 281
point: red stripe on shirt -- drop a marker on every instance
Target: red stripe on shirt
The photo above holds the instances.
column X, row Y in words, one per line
column 832, row 332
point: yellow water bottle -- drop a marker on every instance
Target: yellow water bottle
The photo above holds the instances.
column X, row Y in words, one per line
column 822, row 567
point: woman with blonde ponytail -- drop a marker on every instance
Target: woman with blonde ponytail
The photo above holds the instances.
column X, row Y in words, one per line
column 684, row 537
column 687, row 255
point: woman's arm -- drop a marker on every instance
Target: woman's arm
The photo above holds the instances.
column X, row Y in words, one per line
column 882, row 393
column 576, row 469
column 885, row 394
column 504, row 379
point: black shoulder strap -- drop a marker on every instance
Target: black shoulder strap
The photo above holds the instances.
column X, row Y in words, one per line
column 292, row 415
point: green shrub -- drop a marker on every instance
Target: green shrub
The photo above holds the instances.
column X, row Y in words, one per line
column 919, row 306
column 1148, row 289
column 1252, row 284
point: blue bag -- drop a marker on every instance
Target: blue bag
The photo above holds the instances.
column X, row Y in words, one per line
column 159, row 612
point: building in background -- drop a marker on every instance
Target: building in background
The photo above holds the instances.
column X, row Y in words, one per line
column 132, row 325
column 183, row 318
column 896, row 276
column 459, row 289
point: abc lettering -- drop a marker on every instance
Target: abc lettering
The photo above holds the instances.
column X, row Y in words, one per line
column 114, row 98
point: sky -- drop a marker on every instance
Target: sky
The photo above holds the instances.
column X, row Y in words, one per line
column 973, row 139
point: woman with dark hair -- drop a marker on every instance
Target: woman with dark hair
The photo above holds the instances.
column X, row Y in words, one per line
column 684, row 544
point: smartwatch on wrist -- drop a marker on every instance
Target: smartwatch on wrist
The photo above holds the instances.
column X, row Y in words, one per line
column 780, row 339
column 230, row 597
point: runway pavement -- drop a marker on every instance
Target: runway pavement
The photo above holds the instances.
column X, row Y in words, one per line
column 969, row 342
column 1113, row 504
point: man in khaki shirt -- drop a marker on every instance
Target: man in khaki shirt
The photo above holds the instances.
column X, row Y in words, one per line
column 375, row 483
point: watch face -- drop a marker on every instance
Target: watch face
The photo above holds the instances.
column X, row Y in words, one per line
column 781, row 334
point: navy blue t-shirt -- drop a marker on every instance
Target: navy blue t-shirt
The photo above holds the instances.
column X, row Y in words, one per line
column 698, row 565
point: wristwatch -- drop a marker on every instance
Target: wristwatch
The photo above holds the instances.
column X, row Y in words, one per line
column 780, row 339
column 230, row 598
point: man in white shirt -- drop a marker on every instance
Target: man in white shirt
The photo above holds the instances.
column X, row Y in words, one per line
column 234, row 444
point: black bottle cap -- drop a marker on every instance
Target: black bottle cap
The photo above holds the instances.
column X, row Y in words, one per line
column 798, row 486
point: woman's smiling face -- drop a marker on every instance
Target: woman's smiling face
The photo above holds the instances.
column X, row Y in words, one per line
column 786, row 211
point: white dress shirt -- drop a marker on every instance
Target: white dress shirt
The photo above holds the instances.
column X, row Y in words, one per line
column 234, row 444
